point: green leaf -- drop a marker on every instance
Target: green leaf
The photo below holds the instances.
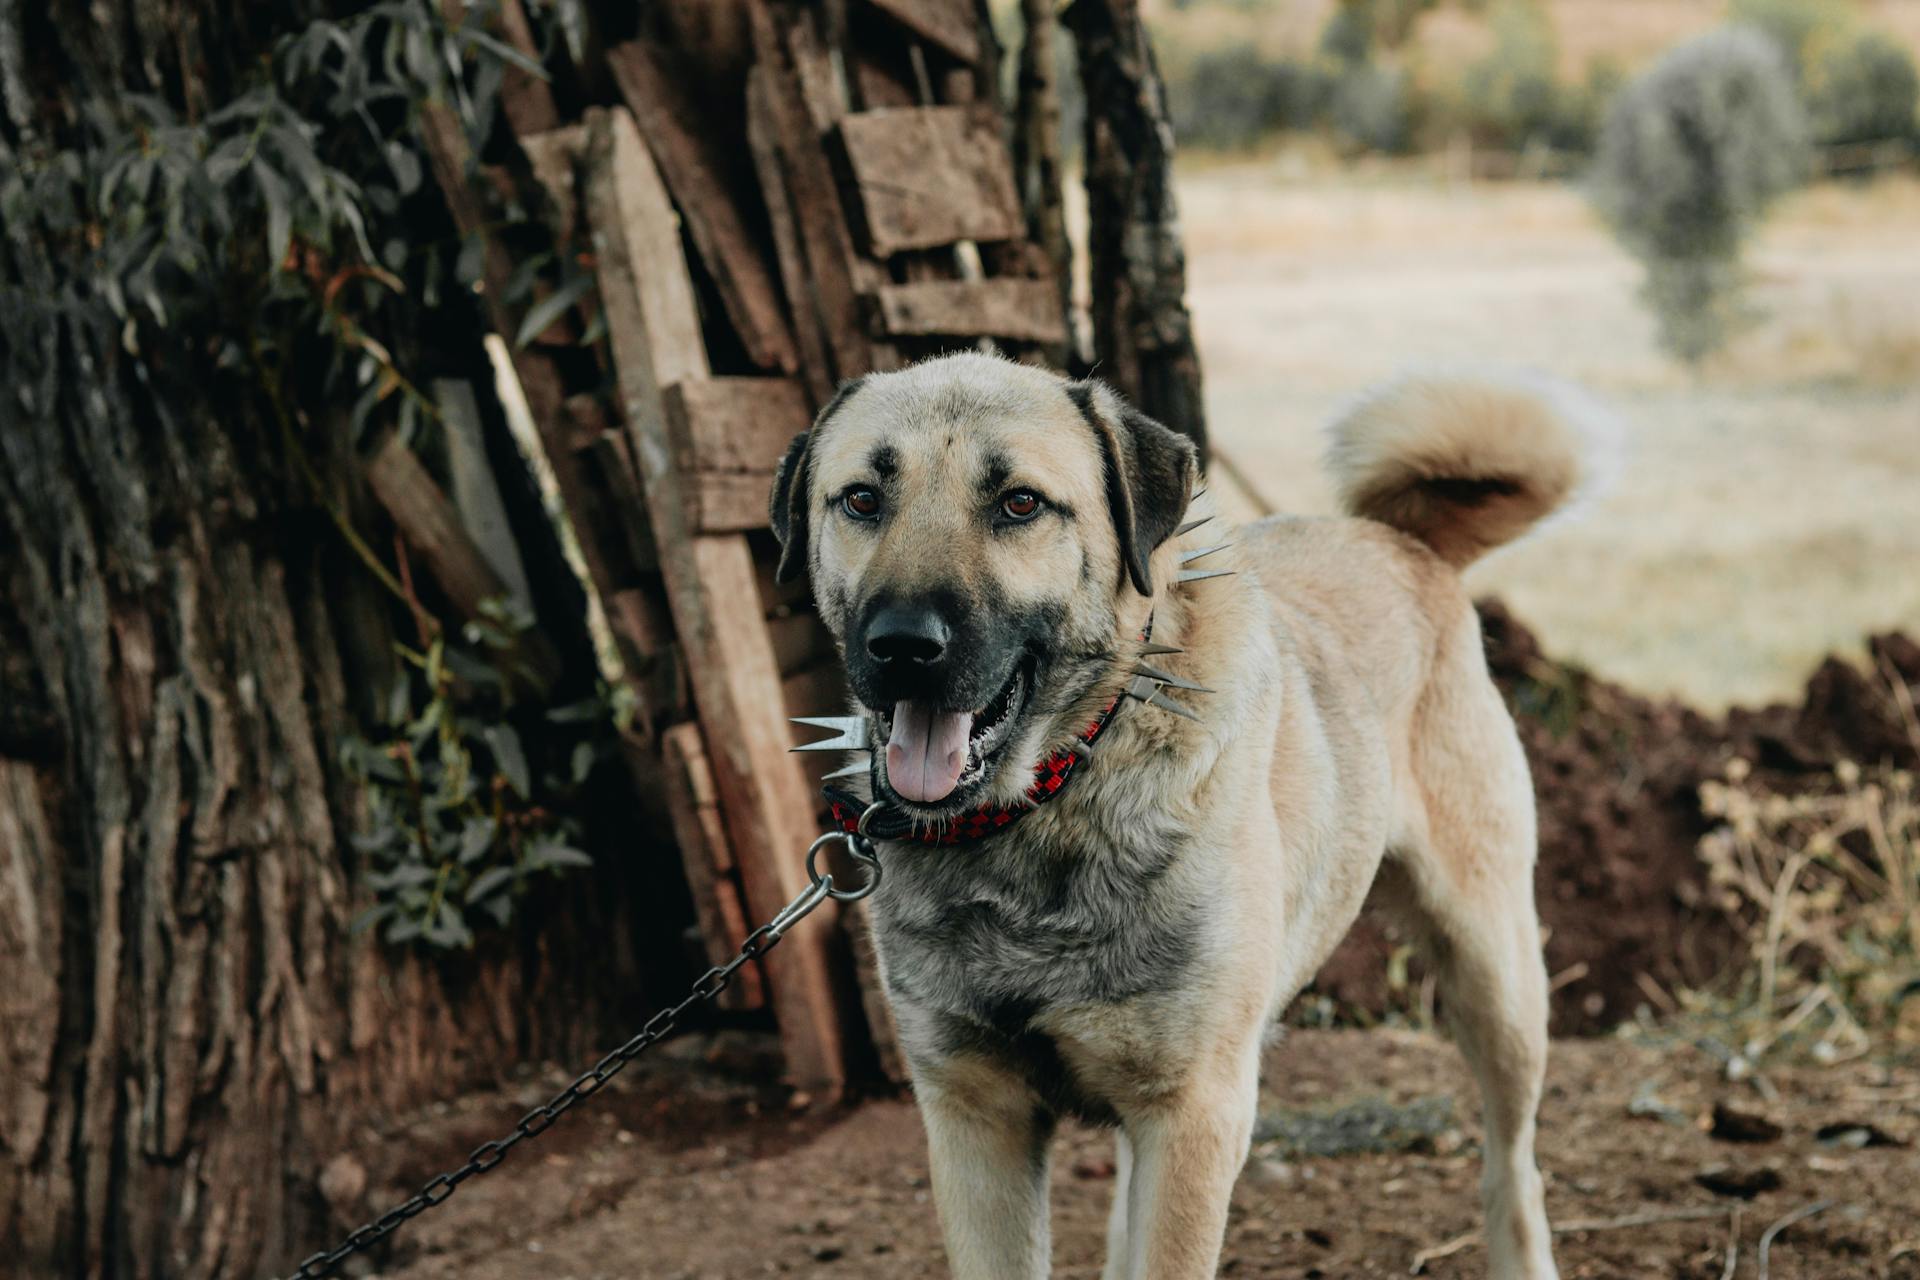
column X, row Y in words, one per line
column 578, row 712
column 487, row 881
column 274, row 190
column 551, row 853
column 583, row 760
column 477, row 839
column 403, row 929
column 407, row 876
column 510, row 757
column 370, row 917
column 551, row 308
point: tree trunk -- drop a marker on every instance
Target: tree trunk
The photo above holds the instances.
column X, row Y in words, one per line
column 1036, row 156
column 1142, row 332
column 189, row 1030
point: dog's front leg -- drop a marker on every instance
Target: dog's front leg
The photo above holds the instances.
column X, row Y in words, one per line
column 988, row 1145
column 1187, row 1151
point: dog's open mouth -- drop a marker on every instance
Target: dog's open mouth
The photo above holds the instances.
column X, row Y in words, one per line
column 934, row 754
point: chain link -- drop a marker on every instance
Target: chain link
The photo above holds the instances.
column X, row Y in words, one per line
column 488, row 1155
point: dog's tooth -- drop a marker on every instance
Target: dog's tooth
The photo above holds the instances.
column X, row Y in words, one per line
column 1191, row 525
column 858, row 769
column 1197, row 575
column 855, row 733
column 1188, row 557
column 1165, row 677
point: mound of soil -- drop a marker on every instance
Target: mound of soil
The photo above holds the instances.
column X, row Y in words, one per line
column 1617, row 780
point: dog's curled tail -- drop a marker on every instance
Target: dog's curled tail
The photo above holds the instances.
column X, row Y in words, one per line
column 1467, row 463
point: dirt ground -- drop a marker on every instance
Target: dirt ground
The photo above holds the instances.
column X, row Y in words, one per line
column 682, row 1170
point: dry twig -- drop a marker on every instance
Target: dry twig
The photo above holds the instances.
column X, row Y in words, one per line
column 1766, row 1237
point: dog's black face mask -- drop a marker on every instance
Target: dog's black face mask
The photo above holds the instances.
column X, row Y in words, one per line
column 973, row 528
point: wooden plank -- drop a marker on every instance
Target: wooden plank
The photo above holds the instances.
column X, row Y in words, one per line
column 735, row 424
column 813, row 194
column 729, row 501
column 707, row 189
column 552, row 156
column 947, row 23
column 431, row 525
column 699, row 831
column 655, row 332
column 927, row 176
column 1022, row 310
column 816, row 365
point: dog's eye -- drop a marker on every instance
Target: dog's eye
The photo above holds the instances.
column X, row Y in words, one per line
column 1021, row 504
column 861, row 504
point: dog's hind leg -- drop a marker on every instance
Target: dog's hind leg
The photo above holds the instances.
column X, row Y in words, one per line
column 1465, row 886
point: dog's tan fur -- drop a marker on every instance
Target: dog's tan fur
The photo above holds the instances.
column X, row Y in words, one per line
column 1356, row 745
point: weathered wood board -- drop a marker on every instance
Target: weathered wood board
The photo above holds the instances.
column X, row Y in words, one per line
column 930, row 176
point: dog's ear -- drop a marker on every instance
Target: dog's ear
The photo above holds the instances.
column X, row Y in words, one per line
column 787, row 505
column 1150, row 475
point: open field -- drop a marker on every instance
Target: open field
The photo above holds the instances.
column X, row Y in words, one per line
column 1623, row 33
column 1768, row 508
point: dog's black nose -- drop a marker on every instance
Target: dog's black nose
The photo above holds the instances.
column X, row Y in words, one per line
column 907, row 634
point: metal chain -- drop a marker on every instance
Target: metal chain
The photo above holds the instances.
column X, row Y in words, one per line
column 487, row 1155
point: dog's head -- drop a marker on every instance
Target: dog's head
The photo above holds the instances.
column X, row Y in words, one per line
column 978, row 533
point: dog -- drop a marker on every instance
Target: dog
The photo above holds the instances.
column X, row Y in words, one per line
column 1007, row 561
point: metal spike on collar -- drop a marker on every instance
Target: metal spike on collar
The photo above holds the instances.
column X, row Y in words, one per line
column 858, row 769
column 1188, row 557
column 855, row 733
column 1143, row 689
column 1082, row 748
column 1191, row 525
column 1154, row 650
column 1197, row 575
column 1165, row 677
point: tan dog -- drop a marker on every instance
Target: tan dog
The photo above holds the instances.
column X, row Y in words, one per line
column 989, row 542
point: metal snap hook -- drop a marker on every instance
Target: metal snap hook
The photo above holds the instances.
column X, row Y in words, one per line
column 853, row 840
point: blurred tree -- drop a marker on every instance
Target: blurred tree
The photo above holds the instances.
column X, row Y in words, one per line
column 1690, row 156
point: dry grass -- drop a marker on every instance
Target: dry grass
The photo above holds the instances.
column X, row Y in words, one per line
column 1825, row 888
column 1766, row 513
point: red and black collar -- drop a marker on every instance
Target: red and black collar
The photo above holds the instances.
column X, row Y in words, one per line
column 1049, row 780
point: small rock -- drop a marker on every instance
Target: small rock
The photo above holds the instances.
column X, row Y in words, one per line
column 342, row 1182
column 1855, row 1134
column 1731, row 1124
column 1741, row 1184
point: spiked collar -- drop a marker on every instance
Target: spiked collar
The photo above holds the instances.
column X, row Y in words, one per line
column 1050, row 776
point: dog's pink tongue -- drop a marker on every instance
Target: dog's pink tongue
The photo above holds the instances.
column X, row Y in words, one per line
column 927, row 751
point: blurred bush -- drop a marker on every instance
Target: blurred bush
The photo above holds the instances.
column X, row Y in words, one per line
column 1691, row 154
column 1512, row 96
column 1370, row 107
column 1860, row 86
column 1233, row 97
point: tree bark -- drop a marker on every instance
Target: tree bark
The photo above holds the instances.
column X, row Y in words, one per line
column 1142, row 332
column 1036, row 157
column 189, row 1030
